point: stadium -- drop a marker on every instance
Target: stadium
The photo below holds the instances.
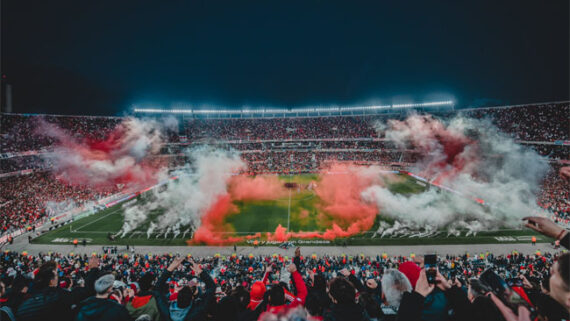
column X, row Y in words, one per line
column 281, row 174
column 284, row 161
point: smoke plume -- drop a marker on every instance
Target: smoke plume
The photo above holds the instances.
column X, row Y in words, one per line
column 200, row 192
column 481, row 164
column 120, row 158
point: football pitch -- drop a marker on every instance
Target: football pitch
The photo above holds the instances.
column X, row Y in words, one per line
column 297, row 211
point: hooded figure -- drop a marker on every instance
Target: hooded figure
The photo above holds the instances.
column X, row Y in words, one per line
column 256, row 295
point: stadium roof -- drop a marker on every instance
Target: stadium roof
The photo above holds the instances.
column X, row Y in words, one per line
column 305, row 111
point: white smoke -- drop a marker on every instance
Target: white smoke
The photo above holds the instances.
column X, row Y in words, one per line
column 490, row 166
column 187, row 199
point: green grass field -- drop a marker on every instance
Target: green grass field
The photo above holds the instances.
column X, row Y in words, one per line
column 298, row 211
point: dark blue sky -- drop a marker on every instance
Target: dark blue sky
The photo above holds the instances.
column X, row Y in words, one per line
column 100, row 57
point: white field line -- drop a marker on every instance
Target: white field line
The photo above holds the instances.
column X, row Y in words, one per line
column 289, row 212
column 97, row 220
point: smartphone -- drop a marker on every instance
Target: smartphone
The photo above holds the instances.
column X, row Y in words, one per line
column 452, row 276
column 430, row 264
column 515, row 282
column 504, row 292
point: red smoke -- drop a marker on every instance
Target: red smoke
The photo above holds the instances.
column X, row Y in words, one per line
column 213, row 230
column 256, row 188
column 447, row 151
column 565, row 172
column 342, row 207
column 121, row 158
column 342, row 211
column 280, row 234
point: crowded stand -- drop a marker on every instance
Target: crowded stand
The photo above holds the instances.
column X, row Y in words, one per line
column 312, row 161
column 23, row 132
column 25, row 199
column 238, row 287
column 167, row 287
column 554, row 152
column 548, row 122
column 543, row 122
column 280, row 128
column 19, row 163
column 267, row 145
column 555, row 194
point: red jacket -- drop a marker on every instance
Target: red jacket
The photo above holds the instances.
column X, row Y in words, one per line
column 256, row 293
column 295, row 301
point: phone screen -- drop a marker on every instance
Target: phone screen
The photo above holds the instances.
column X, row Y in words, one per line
column 452, row 276
column 503, row 291
column 430, row 264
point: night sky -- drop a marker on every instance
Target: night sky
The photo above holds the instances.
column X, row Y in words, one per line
column 102, row 57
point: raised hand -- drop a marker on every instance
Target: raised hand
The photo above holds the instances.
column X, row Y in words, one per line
column 175, row 263
column 311, row 274
column 457, row 283
column 291, row 268
column 442, row 282
column 422, row 285
column 526, row 282
column 196, row 268
column 93, row 262
column 508, row 314
column 543, row 226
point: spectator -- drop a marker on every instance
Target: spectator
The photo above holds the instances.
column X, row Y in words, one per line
column 47, row 299
column 559, row 283
column 343, row 297
column 276, row 295
column 187, row 305
column 394, row 285
column 100, row 307
column 256, row 295
column 150, row 302
column 373, row 309
column 351, row 294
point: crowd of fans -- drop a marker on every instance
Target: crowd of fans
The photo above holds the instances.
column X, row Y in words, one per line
column 26, row 132
column 547, row 123
column 555, row 194
column 165, row 287
column 311, row 161
column 280, row 128
column 556, row 152
column 171, row 287
column 26, row 199
column 19, row 133
column 266, row 147
column 14, row 164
